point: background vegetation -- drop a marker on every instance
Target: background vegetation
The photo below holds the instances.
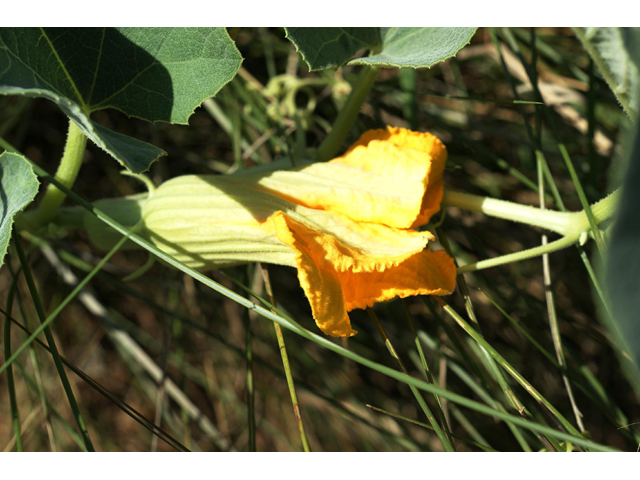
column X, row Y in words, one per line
column 166, row 349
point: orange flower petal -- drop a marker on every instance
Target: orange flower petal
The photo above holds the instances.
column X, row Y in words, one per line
column 427, row 144
column 425, row 273
column 347, row 225
column 334, row 287
column 381, row 179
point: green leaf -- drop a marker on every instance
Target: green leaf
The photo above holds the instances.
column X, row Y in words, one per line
column 623, row 261
column 612, row 50
column 394, row 47
column 157, row 74
column 622, row 280
column 325, row 47
column 18, row 188
column 417, row 47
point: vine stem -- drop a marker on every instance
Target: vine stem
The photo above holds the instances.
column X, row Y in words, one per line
column 573, row 226
column 330, row 146
column 66, row 174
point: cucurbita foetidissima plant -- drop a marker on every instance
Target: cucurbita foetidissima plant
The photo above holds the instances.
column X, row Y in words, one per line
column 323, row 201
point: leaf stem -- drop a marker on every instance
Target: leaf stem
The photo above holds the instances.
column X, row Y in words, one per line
column 348, row 114
column 564, row 242
column 573, row 226
column 66, row 174
column 559, row 222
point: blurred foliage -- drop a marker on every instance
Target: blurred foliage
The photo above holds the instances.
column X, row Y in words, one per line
column 198, row 337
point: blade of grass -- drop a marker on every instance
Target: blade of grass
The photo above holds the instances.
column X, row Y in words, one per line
column 597, row 235
column 424, row 425
column 15, row 414
column 50, row 410
column 160, row 394
column 285, row 363
column 248, row 382
column 532, row 138
column 126, row 408
column 464, row 422
column 133, row 352
column 482, row 99
column 507, row 367
column 265, row 38
column 50, row 340
column 617, row 414
column 478, row 389
column 496, row 373
column 596, row 393
column 563, row 152
column 546, row 269
column 444, row 438
column 43, row 398
column 426, row 370
column 36, row 366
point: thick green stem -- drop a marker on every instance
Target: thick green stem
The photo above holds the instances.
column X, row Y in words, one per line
column 547, row 219
column 565, row 223
column 347, row 116
column 66, row 174
column 573, row 226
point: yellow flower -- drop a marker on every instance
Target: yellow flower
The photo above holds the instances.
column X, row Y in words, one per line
column 347, row 225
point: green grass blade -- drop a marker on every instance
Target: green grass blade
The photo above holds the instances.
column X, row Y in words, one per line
column 424, row 425
column 248, row 382
column 54, row 350
column 64, row 303
column 285, row 363
column 50, row 410
column 564, row 153
column 126, row 408
column 426, row 370
column 36, row 370
column 478, row 390
column 444, row 438
column 508, row 368
column 495, row 372
column 596, row 393
column 15, row 415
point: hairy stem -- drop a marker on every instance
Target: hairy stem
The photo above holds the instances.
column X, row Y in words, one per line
column 66, row 174
column 568, row 224
column 564, row 242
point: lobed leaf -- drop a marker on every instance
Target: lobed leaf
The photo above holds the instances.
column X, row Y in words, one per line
column 156, row 74
column 395, row 47
column 18, row 188
column 612, row 50
column 623, row 260
column 417, row 47
column 325, row 47
column 622, row 279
